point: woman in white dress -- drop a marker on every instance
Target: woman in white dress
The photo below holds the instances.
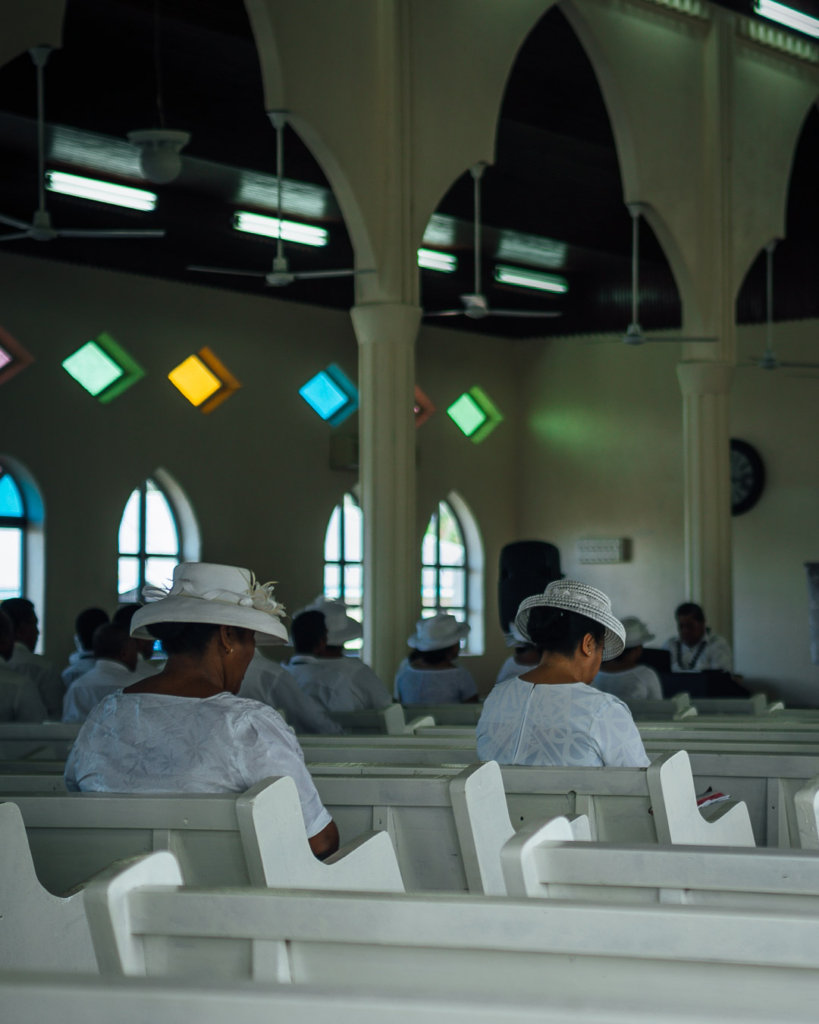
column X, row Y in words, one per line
column 430, row 675
column 550, row 715
column 184, row 729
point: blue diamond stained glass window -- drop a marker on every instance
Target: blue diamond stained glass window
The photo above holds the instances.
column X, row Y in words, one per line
column 331, row 394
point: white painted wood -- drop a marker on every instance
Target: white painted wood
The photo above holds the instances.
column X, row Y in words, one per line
column 677, row 817
column 278, row 853
column 770, row 880
column 38, row 931
column 806, row 807
column 483, row 825
column 457, row 943
column 676, row 708
column 32, row 998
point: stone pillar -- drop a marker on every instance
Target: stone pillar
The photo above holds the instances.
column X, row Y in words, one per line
column 706, row 452
column 386, row 335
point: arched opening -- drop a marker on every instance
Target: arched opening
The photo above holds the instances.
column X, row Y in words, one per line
column 343, row 558
column 22, row 536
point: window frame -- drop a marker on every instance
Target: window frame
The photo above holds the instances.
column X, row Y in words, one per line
column 20, row 523
column 356, row 610
column 142, row 555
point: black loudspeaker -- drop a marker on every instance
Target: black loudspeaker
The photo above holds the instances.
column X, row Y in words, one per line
column 526, row 568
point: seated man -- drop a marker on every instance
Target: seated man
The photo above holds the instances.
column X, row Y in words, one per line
column 336, row 682
column 23, row 660
column 115, row 654
column 697, row 649
column 19, row 698
column 266, row 681
column 83, row 658
column 623, row 676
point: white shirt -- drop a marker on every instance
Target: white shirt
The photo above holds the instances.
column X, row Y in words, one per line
column 79, row 663
column 511, row 668
column 87, row 691
column 564, row 724
column 637, row 683
column 338, row 684
column 712, row 652
column 433, row 685
column 38, row 668
column 157, row 743
column 19, row 698
column 268, row 682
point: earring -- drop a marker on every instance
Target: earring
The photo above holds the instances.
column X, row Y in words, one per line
column 228, row 650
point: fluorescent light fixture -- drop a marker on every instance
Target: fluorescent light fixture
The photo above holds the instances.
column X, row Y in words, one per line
column 440, row 230
column 788, row 16
column 429, row 259
column 13, row 357
column 100, row 191
column 535, row 250
column 475, row 414
column 298, row 197
column 531, row 279
column 103, row 367
column 331, row 394
column 258, row 224
column 204, row 380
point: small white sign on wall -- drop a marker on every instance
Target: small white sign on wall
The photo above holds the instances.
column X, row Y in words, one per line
column 601, row 550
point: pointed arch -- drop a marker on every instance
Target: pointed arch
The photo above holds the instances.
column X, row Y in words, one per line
column 22, row 534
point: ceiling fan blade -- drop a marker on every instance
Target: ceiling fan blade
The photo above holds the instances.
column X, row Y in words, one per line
column 13, row 237
column 800, row 366
column 110, row 233
column 227, row 270
column 14, row 222
column 445, row 312
column 524, row 313
column 308, row 275
column 678, row 338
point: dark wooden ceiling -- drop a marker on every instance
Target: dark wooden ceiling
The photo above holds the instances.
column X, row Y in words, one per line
column 554, row 195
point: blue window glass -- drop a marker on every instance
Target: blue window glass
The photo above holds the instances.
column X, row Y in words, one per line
column 11, row 501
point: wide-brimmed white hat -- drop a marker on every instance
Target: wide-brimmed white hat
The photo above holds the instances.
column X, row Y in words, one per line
column 637, row 632
column 437, row 632
column 341, row 627
column 573, row 596
column 219, row 595
column 514, row 638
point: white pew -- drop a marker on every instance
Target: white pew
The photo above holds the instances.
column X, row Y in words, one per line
column 30, row 917
column 806, row 807
column 677, row 708
column 771, row 880
column 388, row 721
column 447, row 714
column 756, row 704
column 482, row 818
column 44, row 741
column 32, row 998
column 451, row 944
column 255, row 838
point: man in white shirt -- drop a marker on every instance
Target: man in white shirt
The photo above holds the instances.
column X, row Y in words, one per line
column 22, row 658
column 81, row 660
column 266, row 681
column 696, row 648
column 115, row 654
column 336, row 682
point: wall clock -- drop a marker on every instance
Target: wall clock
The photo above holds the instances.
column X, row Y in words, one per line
column 747, row 476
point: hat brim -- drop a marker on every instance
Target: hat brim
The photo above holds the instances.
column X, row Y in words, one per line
column 339, row 637
column 267, row 629
column 613, row 638
column 420, row 644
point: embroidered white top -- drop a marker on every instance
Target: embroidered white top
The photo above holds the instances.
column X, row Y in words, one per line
column 157, row 743
column 433, row 686
column 638, row 683
column 339, row 684
column 564, row 724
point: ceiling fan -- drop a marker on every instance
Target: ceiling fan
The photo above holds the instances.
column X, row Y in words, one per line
column 40, row 229
column 280, row 274
column 634, row 332
column 768, row 359
column 475, row 305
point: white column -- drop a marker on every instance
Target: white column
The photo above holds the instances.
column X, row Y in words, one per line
column 386, row 335
column 706, row 453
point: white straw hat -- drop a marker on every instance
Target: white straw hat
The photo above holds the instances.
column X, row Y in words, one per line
column 341, row 627
column 437, row 633
column 637, row 632
column 219, row 595
column 573, row 596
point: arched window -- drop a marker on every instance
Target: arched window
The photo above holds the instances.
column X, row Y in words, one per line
column 452, row 568
column 150, row 541
column 13, row 524
column 343, row 549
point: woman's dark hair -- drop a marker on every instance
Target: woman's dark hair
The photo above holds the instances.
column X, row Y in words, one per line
column 561, row 631
column 183, row 637
column 308, row 630
column 432, row 657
